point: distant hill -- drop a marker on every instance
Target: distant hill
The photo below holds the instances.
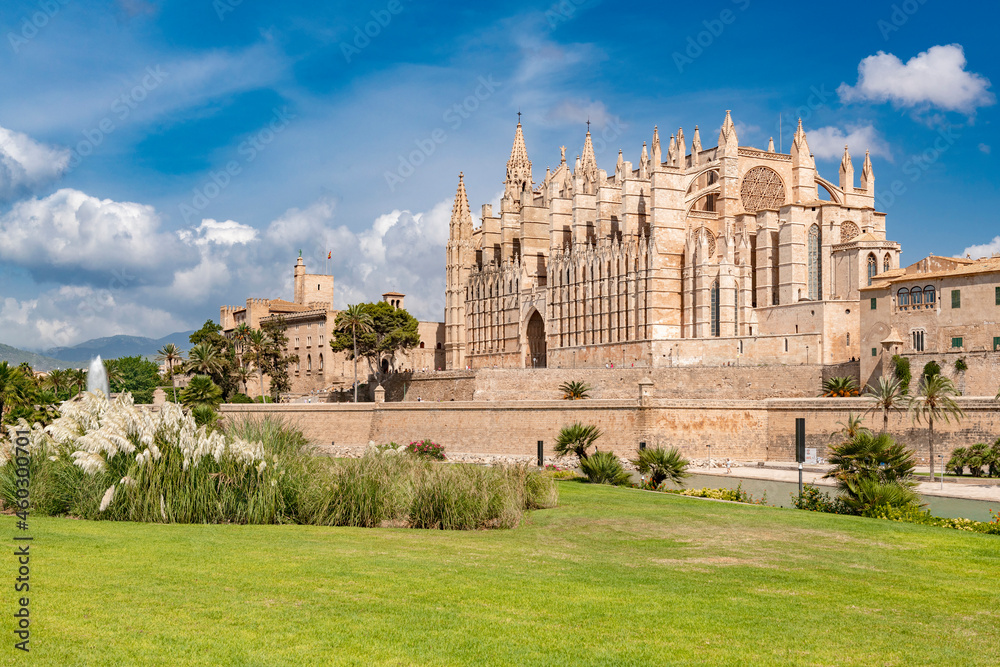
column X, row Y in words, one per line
column 113, row 347
column 14, row 357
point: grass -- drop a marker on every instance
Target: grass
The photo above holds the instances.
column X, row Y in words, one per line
column 612, row 576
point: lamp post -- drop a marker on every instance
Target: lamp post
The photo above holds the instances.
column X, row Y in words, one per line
column 941, row 464
column 710, row 457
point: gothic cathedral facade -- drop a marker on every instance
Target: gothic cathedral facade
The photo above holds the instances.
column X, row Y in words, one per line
column 711, row 256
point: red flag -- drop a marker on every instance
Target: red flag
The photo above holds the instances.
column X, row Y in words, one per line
column 329, row 255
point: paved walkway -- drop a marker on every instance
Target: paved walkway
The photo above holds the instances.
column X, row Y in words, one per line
column 952, row 489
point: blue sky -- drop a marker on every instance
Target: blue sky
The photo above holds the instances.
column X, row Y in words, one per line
column 159, row 159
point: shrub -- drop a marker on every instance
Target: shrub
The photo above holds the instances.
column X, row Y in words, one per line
column 956, row 464
column 662, row 465
column 737, row 495
column 426, row 449
column 870, row 455
column 240, row 398
column 201, row 391
column 604, row 468
column 913, row 514
column 840, row 387
column 814, row 500
column 577, row 439
column 931, row 368
column 901, row 369
column 960, row 365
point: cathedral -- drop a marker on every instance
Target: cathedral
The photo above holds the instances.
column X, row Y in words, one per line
column 719, row 255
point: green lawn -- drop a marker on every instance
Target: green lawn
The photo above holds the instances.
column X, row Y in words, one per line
column 613, row 576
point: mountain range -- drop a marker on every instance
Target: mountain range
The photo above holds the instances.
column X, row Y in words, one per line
column 15, row 357
column 113, row 347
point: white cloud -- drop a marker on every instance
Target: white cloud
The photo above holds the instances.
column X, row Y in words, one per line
column 933, row 78
column 26, row 165
column 985, row 148
column 226, row 233
column 828, row 142
column 984, row 250
column 71, row 231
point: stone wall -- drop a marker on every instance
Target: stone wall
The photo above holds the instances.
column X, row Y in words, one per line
column 743, row 430
column 723, row 382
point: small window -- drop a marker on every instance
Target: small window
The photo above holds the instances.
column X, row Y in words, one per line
column 956, row 342
column 929, row 295
column 439, row 346
column 903, row 297
column 874, row 352
column 997, row 295
column 421, row 345
column 918, row 340
column 956, row 298
column 874, row 302
column 848, row 343
column 786, row 345
column 996, row 343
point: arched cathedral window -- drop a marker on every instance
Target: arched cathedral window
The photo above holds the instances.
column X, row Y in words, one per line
column 872, row 268
column 815, row 270
column 715, row 308
column 886, row 262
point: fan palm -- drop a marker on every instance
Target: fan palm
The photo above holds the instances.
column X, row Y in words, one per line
column 576, row 439
column 867, row 493
column 604, row 468
column 840, row 387
column 201, row 391
column 851, row 428
column 574, row 391
column 58, row 379
column 934, row 400
column 888, row 397
column 354, row 320
column 204, row 359
column 257, row 342
column 113, row 371
column 242, row 375
column 170, row 354
column 868, row 455
column 662, row 465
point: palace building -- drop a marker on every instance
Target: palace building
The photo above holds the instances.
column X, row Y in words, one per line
column 697, row 255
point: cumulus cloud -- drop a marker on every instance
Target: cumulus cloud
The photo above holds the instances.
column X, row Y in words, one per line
column 828, row 142
column 983, row 250
column 225, row 233
column 26, row 165
column 934, row 78
column 70, row 231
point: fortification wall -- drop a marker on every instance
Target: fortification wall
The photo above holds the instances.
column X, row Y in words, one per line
column 744, row 430
column 723, row 382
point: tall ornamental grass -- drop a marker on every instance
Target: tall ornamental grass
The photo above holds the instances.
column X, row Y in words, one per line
column 114, row 461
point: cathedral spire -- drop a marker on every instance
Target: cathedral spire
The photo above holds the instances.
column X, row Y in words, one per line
column 695, row 146
column 727, row 134
column 644, row 162
column 770, row 145
column 800, row 137
column 672, row 152
column 518, row 167
column 461, row 216
column 620, row 168
column 846, row 171
column 868, row 175
column 681, row 149
column 657, row 154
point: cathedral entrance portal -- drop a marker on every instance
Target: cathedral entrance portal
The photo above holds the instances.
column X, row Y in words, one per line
column 536, row 341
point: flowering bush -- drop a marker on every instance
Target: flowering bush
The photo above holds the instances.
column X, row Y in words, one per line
column 426, row 449
column 924, row 517
column 737, row 495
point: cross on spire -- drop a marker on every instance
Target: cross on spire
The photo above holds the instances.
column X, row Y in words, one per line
column 519, row 115
column 588, row 123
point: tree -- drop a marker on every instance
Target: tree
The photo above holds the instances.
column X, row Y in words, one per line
column 662, row 465
column 209, row 332
column 273, row 361
column 574, row 391
column 257, row 344
column 17, row 390
column 137, row 376
column 242, row 374
column 170, row 354
column 201, row 391
column 58, row 380
column 934, row 400
column 840, row 387
column 204, row 359
column 851, row 428
column 112, row 372
column 888, row 397
column 355, row 320
column 576, row 439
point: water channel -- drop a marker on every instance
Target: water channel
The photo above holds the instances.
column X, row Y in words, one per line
column 779, row 494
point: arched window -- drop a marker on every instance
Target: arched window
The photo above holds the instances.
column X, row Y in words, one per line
column 309, row 363
column 815, row 270
column 321, row 361
column 903, row 299
column 886, row 262
column 715, row 308
column 929, row 295
column 872, row 268
column 916, row 296
column 421, row 345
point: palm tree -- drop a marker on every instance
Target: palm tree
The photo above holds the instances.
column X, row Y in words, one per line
column 204, row 359
column 935, row 400
column 201, row 391
column 574, row 391
column 112, row 370
column 355, row 320
column 257, row 341
column 78, row 379
column 840, row 387
column 7, row 381
column 58, row 379
column 851, row 428
column 170, row 354
column 16, row 389
column 576, row 439
column 242, row 374
column 241, row 339
column 662, row 465
column 888, row 396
